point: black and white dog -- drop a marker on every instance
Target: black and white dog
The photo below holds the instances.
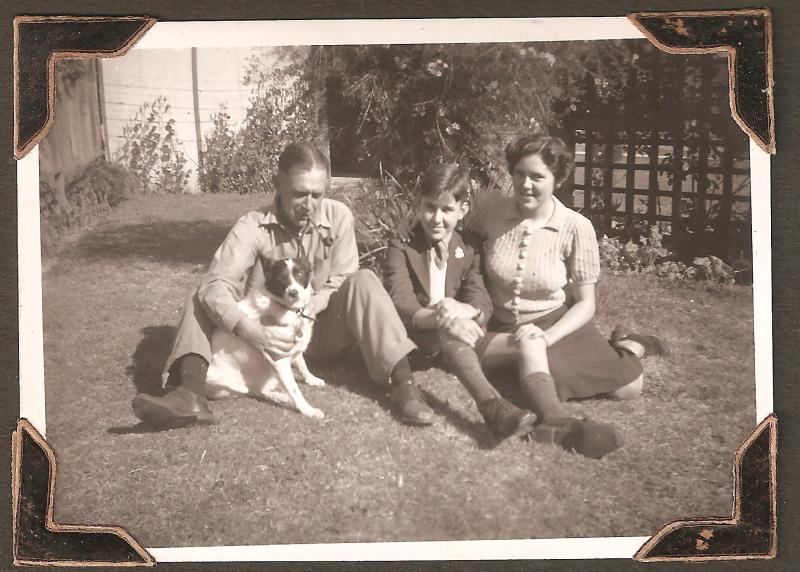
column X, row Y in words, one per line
column 278, row 296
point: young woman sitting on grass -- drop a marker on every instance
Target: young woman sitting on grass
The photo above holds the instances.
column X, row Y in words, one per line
column 535, row 248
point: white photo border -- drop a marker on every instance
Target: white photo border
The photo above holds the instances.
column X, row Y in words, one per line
column 224, row 34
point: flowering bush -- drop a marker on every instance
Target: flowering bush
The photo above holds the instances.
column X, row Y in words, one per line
column 282, row 109
column 152, row 151
column 649, row 256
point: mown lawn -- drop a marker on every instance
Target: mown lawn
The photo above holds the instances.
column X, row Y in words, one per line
column 267, row 475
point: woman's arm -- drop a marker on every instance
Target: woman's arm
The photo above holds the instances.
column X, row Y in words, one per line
column 578, row 314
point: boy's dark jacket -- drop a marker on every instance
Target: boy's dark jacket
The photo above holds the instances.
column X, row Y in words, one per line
column 407, row 275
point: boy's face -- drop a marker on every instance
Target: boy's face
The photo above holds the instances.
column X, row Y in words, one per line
column 439, row 216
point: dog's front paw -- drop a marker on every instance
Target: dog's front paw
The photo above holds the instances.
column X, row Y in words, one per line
column 312, row 379
column 312, row 412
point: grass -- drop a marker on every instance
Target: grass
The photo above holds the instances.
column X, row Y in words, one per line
column 267, row 475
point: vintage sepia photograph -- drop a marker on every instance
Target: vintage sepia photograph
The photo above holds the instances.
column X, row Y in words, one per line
column 435, row 288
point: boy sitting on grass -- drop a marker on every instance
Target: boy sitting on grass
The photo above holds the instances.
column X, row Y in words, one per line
column 435, row 282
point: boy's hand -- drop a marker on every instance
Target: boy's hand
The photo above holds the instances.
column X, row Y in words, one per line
column 466, row 330
column 405, row 226
column 448, row 311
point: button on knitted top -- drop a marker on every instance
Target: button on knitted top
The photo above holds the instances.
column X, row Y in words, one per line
column 527, row 268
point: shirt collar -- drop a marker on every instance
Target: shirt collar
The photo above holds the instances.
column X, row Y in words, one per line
column 556, row 221
column 270, row 217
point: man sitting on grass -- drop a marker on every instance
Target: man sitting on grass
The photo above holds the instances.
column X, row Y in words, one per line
column 436, row 283
column 351, row 305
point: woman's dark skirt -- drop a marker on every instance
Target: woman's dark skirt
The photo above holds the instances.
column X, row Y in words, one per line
column 583, row 364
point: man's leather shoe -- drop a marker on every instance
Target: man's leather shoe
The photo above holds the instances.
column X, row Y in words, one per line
column 409, row 406
column 506, row 420
column 175, row 409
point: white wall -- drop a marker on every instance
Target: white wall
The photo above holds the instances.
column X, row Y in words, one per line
column 141, row 76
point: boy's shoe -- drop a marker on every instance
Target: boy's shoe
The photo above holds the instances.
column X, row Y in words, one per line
column 505, row 419
column 408, row 405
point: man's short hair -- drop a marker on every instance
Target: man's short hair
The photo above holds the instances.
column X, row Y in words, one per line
column 302, row 156
column 444, row 180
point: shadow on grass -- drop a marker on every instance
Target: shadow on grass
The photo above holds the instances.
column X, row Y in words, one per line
column 476, row 431
column 140, row 429
column 145, row 371
column 149, row 357
column 175, row 242
column 350, row 373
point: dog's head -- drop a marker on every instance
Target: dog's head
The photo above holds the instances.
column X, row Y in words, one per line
column 288, row 280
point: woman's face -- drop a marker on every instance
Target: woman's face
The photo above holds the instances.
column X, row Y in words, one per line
column 534, row 183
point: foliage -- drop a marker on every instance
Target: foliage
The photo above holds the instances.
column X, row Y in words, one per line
column 682, row 101
column 647, row 255
column 281, row 110
column 152, row 151
column 101, row 186
column 379, row 208
column 407, row 106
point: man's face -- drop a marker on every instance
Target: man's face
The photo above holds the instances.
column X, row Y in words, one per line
column 300, row 194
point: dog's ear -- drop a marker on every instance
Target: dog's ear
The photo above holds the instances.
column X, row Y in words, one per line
column 304, row 263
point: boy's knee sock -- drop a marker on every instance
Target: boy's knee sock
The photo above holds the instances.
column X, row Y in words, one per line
column 541, row 397
column 463, row 362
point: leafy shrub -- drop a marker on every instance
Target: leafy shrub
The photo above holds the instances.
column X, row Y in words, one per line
column 282, row 109
column 633, row 256
column 379, row 208
column 405, row 107
column 152, row 151
column 713, row 269
column 101, row 186
column 648, row 255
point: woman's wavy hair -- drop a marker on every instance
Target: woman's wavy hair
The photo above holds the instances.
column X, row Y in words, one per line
column 553, row 151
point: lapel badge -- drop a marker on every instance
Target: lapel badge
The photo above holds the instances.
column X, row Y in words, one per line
column 459, row 253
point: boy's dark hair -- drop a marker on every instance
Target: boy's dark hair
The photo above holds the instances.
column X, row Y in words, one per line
column 552, row 150
column 302, row 156
column 447, row 178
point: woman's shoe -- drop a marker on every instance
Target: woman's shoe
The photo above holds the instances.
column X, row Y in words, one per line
column 587, row 438
column 650, row 345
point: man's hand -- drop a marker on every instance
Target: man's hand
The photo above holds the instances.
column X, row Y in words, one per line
column 274, row 341
column 448, row 311
column 466, row 330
